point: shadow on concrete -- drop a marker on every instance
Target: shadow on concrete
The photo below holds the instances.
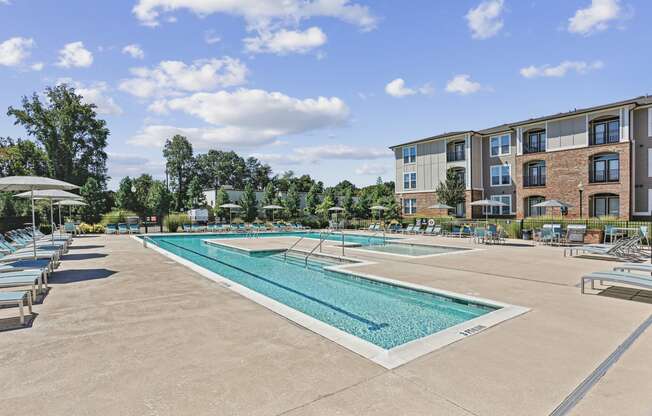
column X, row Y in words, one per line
column 84, row 256
column 79, row 275
column 627, row 293
column 11, row 323
column 87, row 247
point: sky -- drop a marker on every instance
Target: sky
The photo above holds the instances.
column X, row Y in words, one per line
column 318, row 86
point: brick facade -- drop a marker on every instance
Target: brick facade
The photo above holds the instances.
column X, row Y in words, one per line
column 565, row 169
column 424, row 200
column 470, row 196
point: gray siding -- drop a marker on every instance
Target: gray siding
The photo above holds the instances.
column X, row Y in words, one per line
column 430, row 166
column 488, row 161
column 642, row 144
column 570, row 132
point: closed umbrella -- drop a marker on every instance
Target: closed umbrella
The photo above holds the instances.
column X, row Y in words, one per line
column 487, row 203
column 273, row 208
column 32, row 183
column 230, row 207
column 51, row 195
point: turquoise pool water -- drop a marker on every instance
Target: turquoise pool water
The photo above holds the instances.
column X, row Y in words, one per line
column 383, row 314
column 412, row 249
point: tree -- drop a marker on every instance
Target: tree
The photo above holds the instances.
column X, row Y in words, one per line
column 179, row 164
column 22, row 157
column 269, row 194
column 451, row 191
column 195, row 194
column 221, row 198
column 347, row 202
column 292, row 202
column 363, row 206
column 248, row 203
column 72, row 136
column 143, row 184
column 257, row 173
column 325, row 205
column 312, row 199
column 94, row 197
column 125, row 198
column 158, row 199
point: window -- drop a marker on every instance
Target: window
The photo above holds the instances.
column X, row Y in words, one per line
column 605, row 131
column 410, row 180
column 505, row 199
column 535, row 174
column 605, row 168
column 531, row 210
column 456, row 152
column 501, row 175
column 535, row 142
column 500, row 145
column 461, row 175
column 410, row 154
column 606, row 204
column 409, row 206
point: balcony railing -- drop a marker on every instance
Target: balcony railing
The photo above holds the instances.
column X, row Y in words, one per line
column 455, row 156
column 534, row 180
column 534, row 149
column 611, row 175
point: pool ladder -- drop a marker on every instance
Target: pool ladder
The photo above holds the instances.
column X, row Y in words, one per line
column 374, row 234
column 285, row 254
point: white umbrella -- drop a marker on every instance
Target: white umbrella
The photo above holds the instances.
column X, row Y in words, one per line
column 552, row 203
column 273, row 208
column 70, row 203
column 488, row 203
column 230, row 207
column 32, row 183
column 440, row 206
column 51, row 195
column 336, row 210
column 380, row 210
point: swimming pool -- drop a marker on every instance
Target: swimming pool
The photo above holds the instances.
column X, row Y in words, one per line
column 383, row 320
column 413, row 250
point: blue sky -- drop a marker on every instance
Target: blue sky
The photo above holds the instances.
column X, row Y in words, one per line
column 319, row 86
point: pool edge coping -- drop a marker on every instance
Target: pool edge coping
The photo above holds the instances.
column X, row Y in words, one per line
column 388, row 359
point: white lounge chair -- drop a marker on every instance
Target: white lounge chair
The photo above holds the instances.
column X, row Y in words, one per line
column 617, row 277
column 18, row 299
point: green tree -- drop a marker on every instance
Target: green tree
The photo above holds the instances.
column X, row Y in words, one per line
column 312, row 199
column 195, row 194
column 248, row 203
column 178, row 155
column 72, row 136
column 143, row 184
column 221, row 198
column 292, row 202
column 158, row 199
column 451, row 191
column 125, row 198
column 22, row 157
column 94, row 197
column 347, row 203
column 325, row 205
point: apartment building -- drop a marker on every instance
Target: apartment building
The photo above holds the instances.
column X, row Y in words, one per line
column 598, row 160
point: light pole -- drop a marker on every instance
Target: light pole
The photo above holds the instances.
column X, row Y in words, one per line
column 580, row 188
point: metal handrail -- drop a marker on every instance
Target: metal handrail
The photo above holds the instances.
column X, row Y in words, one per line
column 374, row 234
column 321, row 240
column 285, row 255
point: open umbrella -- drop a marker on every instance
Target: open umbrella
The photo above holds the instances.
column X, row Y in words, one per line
column 488, row 203
column 51, row 195
column 32, row 183
column 440, row 206
column 336, row 210
column 552, row 203
column 70, row 203
column 380, row 210
column 230, row 207
column 273, row 208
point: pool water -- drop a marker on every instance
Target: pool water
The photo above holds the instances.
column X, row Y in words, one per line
column 412, row 249
column 383, row 314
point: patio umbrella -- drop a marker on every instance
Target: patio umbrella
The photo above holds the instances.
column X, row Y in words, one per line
column 273, row 208
column 336, row 210
column 51, row 195
column 487, row 203
column 380, row 210
column 552, row 203
column 32, row 183
column 70, row 203
column 230, row 208
column 440, row 206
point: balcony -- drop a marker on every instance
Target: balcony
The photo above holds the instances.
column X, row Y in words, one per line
column 534, row 180
column 612, row 175
column 455, row 156
column 534, row 148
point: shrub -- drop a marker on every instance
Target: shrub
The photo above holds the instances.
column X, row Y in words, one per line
column 45, row 228
column 174, row 221
column 116, row 216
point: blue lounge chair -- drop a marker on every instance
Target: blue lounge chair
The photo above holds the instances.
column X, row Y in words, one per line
column 134, row 228
column 18, row 299
column 111, row 229
column 122, row 228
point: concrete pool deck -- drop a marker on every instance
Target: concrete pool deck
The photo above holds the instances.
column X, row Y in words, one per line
column 126, row 331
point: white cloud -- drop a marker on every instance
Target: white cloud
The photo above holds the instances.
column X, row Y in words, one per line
column 210, row 37
column 37, row 66
column 134, row 51
column 581, row 67
column 14, row 51
column 260, row 14
column 285, row 41
column 174, row 77
column 485, row 20
column 595, row 17
column 371, row 169
column 95, row 93
column 120, row 165
column 245, row 118
column 75, row 55
column 462, row 84
column 397, row 88
column 314, row 154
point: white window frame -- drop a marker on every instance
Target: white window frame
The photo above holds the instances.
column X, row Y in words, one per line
column 410, row 206
column 409, row 148
column 409, row 175
column 500, row 167
column 499, row 198
column 500, row 145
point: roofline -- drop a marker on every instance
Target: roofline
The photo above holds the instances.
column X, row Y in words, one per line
column 433, row 138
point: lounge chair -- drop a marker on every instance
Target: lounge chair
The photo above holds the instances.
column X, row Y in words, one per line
column 111, row 229
column 616, row 277
column 409, row 229
column 371, row 227
column 620, row 248
column 134, row 228
column 639, row 267
column 437, row 230
column 122, row 228
column 427, row 230
column 18, row 299
column 480, row 235
column 69, row 227
column 20, row 280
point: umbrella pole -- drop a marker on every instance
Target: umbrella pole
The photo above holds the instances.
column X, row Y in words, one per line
column 59, row 217
column 52, row 221
column 33, row 224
